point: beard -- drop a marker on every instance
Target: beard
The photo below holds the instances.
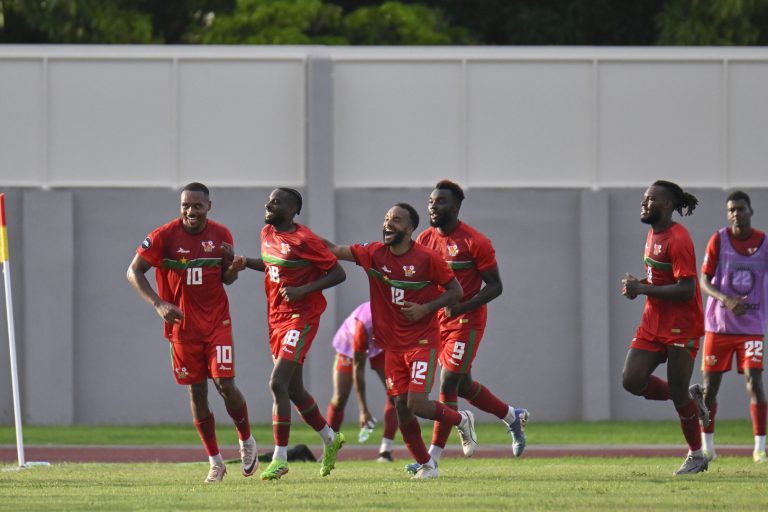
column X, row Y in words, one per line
column 274, row 220
column 397, row 237
column 438, row 222
column 652, row 218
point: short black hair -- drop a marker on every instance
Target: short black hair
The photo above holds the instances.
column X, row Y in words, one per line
column 458, row 193
column 683, row 200
column 739, row 195
column 296, row 196
column 412, row 212
column 196, row 187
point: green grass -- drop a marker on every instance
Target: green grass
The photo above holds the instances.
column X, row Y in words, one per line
column 480, row 484
column 661, row 432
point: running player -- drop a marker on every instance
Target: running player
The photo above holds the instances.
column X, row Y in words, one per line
column 354, row 344
column 734, row 276
column 190, row 255
column 673, row 320
column 472, row 257
column 297, row 266
column 405, row 281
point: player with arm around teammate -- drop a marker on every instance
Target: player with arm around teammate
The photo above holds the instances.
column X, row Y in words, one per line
column 297, row 266
column 409, row 284
column 354, row 344
column 672, row 320
column 190, row 258
column 734, row 277
column 472, row 258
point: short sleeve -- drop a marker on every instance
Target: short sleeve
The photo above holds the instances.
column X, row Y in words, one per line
column 362, row 255
column 152, row 248
column 440, row 270
column 483, row 254
column 315, row 250
column 683, row 257
column 711, row 256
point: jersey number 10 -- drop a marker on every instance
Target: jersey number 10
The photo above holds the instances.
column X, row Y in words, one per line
column 195, row 275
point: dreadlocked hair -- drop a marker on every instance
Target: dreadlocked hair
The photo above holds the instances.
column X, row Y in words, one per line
column 683, row 200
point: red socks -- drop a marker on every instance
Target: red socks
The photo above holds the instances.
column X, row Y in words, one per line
column 412, row 438
column 689, row 421
column 310, row 413
column 757, row 411
column 657, row 389
column 442, row 430
column 335, row 416
column 207, row 430
column 712, row 411
column 281, row 430
column 486, row 401
column 242, row 424
column 390, row 420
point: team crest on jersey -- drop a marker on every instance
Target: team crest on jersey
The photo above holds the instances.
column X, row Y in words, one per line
column 711, row 360
column 181, row 373
column 207, row 245
column 147, row 243
column 409, row 270
column 656, row 249
column 285, row 248
column 453, row 250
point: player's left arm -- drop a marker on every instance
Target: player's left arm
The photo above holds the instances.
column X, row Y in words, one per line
column 449, row 297
column 492, row 289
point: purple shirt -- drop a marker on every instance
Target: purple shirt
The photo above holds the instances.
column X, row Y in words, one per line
column 345, row 336
column 740, row 275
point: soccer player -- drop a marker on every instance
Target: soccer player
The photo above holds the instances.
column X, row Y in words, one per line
column 297, row 266
column 191, row 258
column 408, row 284
column 354, row 343
column 734, row 276
column 472, row 257
column 673, row 320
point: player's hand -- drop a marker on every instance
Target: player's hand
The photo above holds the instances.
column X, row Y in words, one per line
column 290, row 293
column 736, row 304
column 413, row 311
column 453, row 311
column 630, row 286
column 227, row 250
column 365, row 417
column 169, row 312
column 238, row 263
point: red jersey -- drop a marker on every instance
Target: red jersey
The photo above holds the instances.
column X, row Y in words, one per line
column 746, row 247
column 293, row 259
column 188, row 272
column 669, row 257
column 468, row 252
column 415, row 276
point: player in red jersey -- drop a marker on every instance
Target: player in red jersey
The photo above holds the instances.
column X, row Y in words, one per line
column 734, row 277
column 673, row 320
column 191, row 258
column 297, row 266
column 409, row 284
column 471, row 256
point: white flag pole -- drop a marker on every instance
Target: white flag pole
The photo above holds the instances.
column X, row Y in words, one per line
column 11, row 331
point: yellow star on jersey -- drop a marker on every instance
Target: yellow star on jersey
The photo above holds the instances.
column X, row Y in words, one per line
column 183, row 260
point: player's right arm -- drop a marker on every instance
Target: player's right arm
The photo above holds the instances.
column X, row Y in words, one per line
column 342, row 252
column 136, row 276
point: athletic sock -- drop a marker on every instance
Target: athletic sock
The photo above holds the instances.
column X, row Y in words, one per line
column 411, row 432
column 310, row 413
column 280, row 453
column 335, row 416
column 390, row 420
column 760, row 444
column 207, row 430
column 281, row 430
column 511, row 417
column 327, row 435
column 442, row 430
column 435, row 452
column 386, row 445
column 689, row 422
column 445, row 414
column 712, row 412
column 758, row 413
column 242, row 424
column 708, row 441
column 657, row 389
column 216, row 459
column 483, row 399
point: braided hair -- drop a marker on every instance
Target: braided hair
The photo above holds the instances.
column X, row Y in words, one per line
column 296, row 197
column 683, row 200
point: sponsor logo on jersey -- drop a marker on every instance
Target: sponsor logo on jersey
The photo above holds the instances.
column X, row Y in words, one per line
column 285, row 248
column 752, row 250
column 182, row 251
column 181, row 373
column 385, row 269
column 225, row 368
column 207, row 245
column 226, row 322
column 147, row 243
column 453, row 250
column 656, row 249
column 711, row 360
column 409, row 270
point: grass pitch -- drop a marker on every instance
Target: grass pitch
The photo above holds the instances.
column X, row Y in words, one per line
column 481, row 484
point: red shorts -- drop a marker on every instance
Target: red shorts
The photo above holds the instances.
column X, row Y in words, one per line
column 661, row 344
column 459, row 348
column 719, row 350
column 409, row 372
column 345, row 364
column 193, row 363
column 292, row 340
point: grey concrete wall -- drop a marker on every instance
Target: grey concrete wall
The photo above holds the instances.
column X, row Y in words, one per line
column 91, row 352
